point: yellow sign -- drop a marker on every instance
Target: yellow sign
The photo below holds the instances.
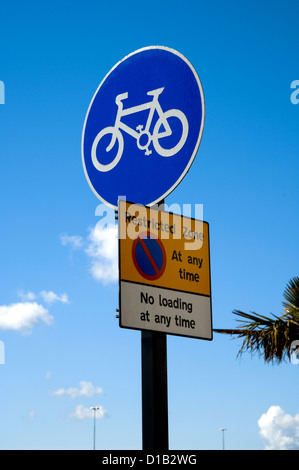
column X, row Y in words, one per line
column 164, row 267
column 163, row 249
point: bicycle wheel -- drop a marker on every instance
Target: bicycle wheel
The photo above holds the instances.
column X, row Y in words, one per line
column 169, row 152
column 116, row 136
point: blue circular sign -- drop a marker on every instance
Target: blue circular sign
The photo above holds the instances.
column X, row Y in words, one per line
column 143, row 127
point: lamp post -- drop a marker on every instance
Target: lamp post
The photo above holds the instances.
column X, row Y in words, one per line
column 94, row 409
column 223, row 430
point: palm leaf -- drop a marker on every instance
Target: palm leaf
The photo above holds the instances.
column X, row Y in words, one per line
column 270, row 337
column 291, row 295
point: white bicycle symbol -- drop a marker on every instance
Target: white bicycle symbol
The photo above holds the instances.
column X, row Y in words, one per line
column 141, row 133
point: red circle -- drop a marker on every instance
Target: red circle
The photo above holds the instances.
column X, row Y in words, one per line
column 160, row 271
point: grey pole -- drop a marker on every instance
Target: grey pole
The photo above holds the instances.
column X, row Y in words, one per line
column 223, row 431
column 94, row 409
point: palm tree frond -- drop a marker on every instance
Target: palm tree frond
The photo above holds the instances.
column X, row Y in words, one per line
column 291, row 295
column 271, row 337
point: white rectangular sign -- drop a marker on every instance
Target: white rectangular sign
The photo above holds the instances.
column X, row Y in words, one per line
column 156, row 309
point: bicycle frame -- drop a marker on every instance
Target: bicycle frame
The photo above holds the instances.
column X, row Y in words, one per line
column 152, row 106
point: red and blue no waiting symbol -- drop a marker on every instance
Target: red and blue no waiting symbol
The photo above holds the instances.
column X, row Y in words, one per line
column 149, row 256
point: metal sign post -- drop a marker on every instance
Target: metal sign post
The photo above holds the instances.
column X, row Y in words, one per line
column 154, row 391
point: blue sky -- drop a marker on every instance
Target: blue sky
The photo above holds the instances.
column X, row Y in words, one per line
column 64, row 351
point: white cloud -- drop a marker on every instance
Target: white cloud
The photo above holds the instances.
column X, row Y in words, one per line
column 26, row 296
column 279, row 430
column 23, row 316
column 32, row 414
column 47, row 296
column 51, row 297
column 101, row 248
column 81, row 413
column 85, row 389
column 103, row 251
column 75, row 241
column 29, row 416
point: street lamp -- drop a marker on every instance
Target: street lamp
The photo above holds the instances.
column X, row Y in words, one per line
column 223, row 430
column 94, row 409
